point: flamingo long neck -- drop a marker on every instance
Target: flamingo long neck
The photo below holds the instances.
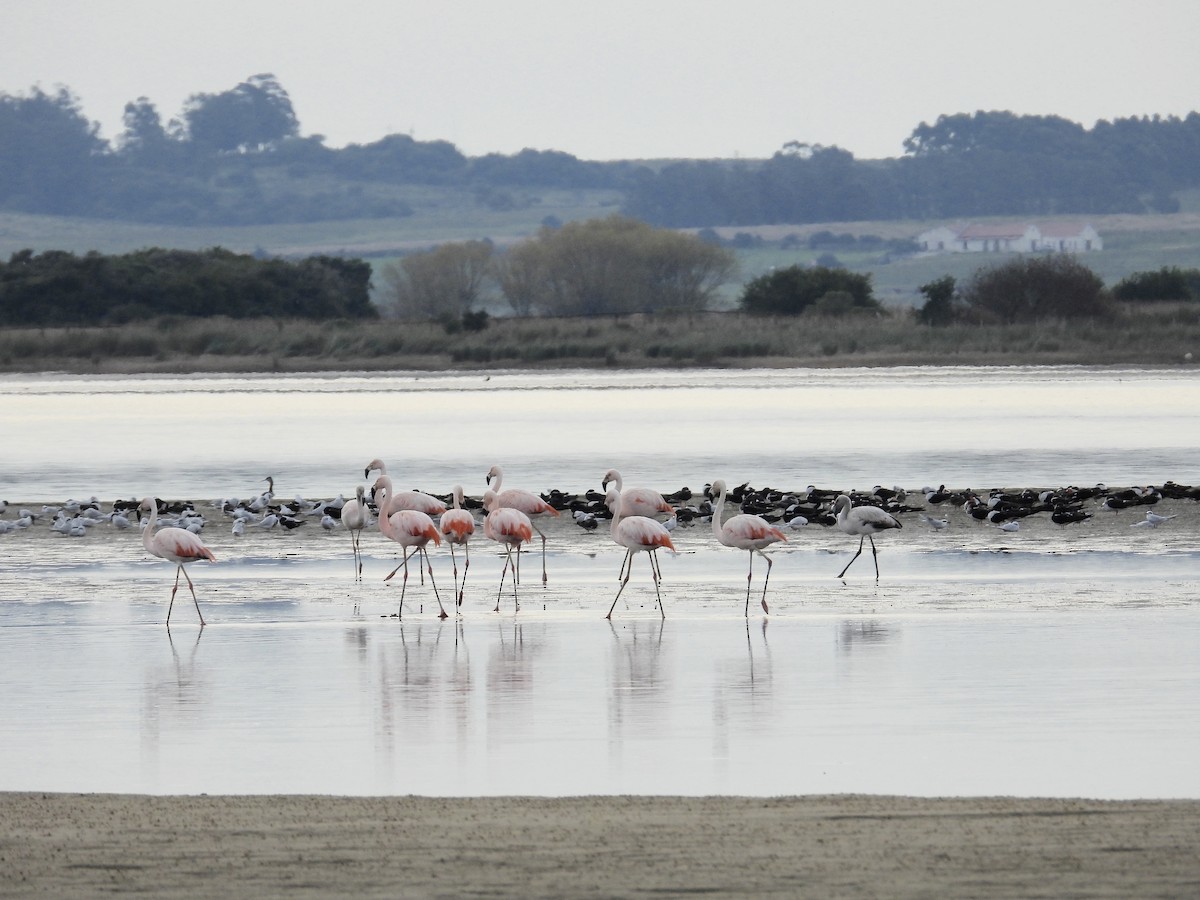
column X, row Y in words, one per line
column 615, row 479
column 718, row 509
column 458, row 496
column 496, row 479
column 616, row 519
column 148, row 531
column 385, row 488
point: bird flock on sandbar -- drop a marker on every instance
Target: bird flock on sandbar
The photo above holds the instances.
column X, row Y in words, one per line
column 641, row 520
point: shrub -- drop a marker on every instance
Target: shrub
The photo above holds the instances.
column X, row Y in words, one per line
column 792, row 290
column 1027, row 289
column 939, row 305
column 1168, row 283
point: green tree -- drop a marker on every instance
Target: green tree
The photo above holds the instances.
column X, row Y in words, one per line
column 1168, row 283
column 939, row 301
column 255, row 114
column 445, row 282
column 145, row 141
column 49, row 153
column 794, row 289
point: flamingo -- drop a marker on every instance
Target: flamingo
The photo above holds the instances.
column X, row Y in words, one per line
column 530, row 504
column 354, row 520
column 512, row 528
column 425, row 503
column 865, row 521
column 635, row 534
column 176, row 545
column 745, row 532
column 637, row 501
column 412, row 530
column 457, row 526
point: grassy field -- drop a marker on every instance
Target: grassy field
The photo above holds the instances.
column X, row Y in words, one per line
column 1132, row 243
column 1162, row 337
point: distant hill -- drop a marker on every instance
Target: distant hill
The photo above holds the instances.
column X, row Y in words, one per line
column 237, row 159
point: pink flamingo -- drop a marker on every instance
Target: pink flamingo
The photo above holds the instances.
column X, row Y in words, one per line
column 635, row 534
column 457, row 525
column 512, row 528
column 864, row 521
column 354, row 520
column 529, row 503
column 178, row 545
column 425, row 503
column 745, row 532
column 412, row 530
column 637, row 501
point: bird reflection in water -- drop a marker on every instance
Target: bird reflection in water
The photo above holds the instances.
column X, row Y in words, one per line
column 357, row 639
column 637, row 685
column 859, row 633
column 171, row 690
column 510, row 673
column 742, row 691
column 409, row 681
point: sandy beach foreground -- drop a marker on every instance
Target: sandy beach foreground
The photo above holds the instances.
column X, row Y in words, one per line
column 71, row 845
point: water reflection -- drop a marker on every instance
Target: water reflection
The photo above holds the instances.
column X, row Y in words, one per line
column 637, row 682
column 568, row 704
column 510, row 683
column 174, row 697
column 857, row 634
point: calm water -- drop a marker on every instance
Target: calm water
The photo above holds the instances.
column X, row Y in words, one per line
column 1047, row 662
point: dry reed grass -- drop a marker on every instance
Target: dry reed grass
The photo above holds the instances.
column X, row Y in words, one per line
column 1139, row 337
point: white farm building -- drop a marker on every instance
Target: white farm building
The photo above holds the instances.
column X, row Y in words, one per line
column 1009, row 238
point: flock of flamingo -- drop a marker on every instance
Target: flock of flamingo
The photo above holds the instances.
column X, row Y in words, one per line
column 408, row 519
column 414, row 520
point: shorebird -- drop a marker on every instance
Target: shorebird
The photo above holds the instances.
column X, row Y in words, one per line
column 636, row 533
column 864, row 521
column 175, row 545
column 745, row 532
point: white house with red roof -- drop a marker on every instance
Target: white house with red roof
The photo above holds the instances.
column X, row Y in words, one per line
column 1060, row 237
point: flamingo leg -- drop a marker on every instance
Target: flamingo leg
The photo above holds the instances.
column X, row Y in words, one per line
column 749, row 576
column 543, row 537
column 192, row 587
column 357, row 557
column 403, row 586
column 624, row 562
column 503, row 572
column 875, row 555
column 516, row 580
column 466, row 569
column 655, row 570
column 171, row 605
column 855, row 556
column 765, row 581
column 403, row 564
column 628, row 557
column 656, row 576
column 454, row 562
column 442, row 614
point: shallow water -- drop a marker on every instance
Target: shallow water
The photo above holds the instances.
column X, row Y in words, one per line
column 216, row 436
column 1051, row 661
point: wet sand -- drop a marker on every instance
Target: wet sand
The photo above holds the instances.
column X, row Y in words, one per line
column 73, row 845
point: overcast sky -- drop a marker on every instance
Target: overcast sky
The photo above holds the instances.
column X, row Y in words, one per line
column 615, row 79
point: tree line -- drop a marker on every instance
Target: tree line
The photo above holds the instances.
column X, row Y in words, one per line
column 60, row 288
column 238, row 156
column 602, row 267
column 981, row 164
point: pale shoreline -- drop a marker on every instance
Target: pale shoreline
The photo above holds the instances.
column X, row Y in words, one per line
column 77, row 845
